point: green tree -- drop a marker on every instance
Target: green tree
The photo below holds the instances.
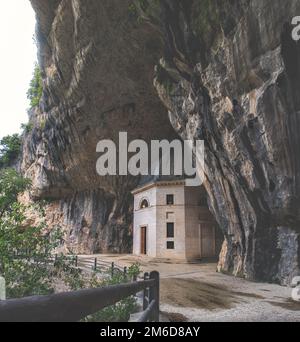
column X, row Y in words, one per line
column 35, row 90
column 26, row 250
column 10, row 147
column 11, row 184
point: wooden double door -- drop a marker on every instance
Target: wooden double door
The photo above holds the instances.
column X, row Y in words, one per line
column 143, row 240
column 207, row 234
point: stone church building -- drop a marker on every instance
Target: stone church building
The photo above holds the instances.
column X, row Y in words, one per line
column 173, row 221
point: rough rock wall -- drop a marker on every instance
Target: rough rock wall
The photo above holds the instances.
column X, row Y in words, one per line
column 97, row 67
column 230, row 76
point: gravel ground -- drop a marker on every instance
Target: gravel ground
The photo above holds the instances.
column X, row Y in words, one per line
column 195, row 292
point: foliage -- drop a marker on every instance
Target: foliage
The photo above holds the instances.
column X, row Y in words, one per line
column 132, row 9
column 27, row 128
column 25, row 249
column 208, row 16
column 163, row 78
column 10, row 147
column 11, row 184
column 43, row 124
column 28, row 271
column 144, row 4
column 139, row 9
column 35, row 90
column 209, row 22
column 121, row 311
column 73, row 277
column 136, row 5
column 134, row 271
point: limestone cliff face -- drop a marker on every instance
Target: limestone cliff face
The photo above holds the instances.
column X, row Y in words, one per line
column 227, row 72
column 230, row 76
column 98, row 68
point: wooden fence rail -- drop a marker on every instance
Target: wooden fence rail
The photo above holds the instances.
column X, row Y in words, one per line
column 74, row 306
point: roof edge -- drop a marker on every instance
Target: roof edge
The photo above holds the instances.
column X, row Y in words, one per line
column 158, row 183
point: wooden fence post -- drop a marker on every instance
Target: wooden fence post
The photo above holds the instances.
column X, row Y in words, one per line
column 2, row 289
column 146, row 293
column 112, row 268
column 95, row 264
column 154, row 295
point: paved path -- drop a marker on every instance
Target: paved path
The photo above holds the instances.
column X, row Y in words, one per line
column 196, row 292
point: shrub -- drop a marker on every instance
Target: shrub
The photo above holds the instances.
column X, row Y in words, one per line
column 26, row 254
column 134, row 271
column 10, row 147
column 35, row 90
column 27, row 128
column 120, row 312
column 11, row 184
column 26, row 250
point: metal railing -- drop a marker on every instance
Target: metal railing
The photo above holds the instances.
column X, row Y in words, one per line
column 74, row 306
column 95, row 264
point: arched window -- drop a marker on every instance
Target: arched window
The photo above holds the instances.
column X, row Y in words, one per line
column 144, row 204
